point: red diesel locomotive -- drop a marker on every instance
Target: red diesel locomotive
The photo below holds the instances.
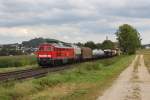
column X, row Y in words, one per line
column 53, row 54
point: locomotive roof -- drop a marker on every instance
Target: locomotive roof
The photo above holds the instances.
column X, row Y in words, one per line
column 58, row 45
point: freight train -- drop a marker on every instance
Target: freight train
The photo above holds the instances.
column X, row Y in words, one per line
column 56, row 53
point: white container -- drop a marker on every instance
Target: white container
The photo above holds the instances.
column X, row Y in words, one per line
column 98, row 52
column 77, row 49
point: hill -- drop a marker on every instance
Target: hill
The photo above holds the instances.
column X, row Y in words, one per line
column 37, row 41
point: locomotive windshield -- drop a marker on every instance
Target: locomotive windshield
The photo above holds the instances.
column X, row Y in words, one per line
column 49, row 48
column 45, row 48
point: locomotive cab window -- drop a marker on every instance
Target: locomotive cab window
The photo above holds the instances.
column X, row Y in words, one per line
column 49, row 49
column 41, row 49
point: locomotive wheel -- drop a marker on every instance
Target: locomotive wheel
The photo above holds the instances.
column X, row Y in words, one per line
column 42, row 64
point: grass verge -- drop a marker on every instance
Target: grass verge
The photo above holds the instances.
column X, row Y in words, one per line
column 84, row 82
column 136, row 64
column 17, row 61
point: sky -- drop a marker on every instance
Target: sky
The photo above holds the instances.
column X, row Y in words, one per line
column 71, row 20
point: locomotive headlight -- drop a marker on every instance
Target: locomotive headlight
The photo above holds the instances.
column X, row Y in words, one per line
column 42, row 55
column 49, row 56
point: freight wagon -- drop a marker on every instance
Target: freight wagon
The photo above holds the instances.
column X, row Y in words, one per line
column 86, row 53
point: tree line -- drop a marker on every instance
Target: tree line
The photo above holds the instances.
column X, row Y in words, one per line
column 106, row 44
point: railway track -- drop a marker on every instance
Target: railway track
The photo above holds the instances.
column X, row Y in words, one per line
column 35, row 72
column 29, row 73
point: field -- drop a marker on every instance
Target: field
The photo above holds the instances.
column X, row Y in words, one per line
column 9, row 63
column 146, row 54
column 144, row 51
column 87, row 79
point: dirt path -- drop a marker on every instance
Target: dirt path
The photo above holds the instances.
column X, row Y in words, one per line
column 132, row 84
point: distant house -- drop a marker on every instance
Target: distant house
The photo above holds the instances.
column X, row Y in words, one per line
column 1, row 46
column 147, row 46
column 14, row 46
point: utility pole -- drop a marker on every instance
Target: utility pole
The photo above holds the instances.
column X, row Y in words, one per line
column 106, row 37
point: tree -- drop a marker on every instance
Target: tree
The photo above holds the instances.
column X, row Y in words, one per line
column 108, row 44
column 99, row 46
column 90, row 44
column 79, row 44
column 128, row 38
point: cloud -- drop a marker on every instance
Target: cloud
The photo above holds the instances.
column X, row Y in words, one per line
column 71, row 20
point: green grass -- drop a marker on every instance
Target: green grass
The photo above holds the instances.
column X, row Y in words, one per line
column 85, row 80
column 17, row 61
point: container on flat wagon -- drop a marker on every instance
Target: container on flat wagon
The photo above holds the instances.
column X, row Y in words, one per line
column 114, row 52
column 77, row 51
column 86, row 53
column 118, row 51
column 108, row 52
column 97, row 53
